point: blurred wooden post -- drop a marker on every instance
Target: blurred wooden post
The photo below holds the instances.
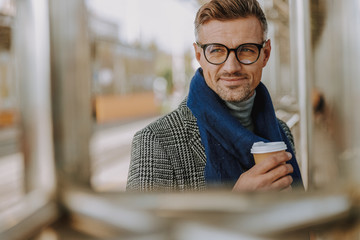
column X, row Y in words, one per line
column 31, row 44
column 71, row 88
column 302, row 72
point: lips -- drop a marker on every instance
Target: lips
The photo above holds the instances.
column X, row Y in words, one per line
column 231, row 81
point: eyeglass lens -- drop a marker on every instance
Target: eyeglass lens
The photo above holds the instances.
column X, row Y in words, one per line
column 217, row 54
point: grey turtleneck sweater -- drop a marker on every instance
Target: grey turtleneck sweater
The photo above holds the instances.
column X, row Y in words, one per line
column 242, row 111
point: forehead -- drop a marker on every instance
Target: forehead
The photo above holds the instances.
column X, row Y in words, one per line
column 232, row 32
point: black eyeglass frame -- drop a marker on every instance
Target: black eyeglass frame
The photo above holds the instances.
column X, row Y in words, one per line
column 259, row 46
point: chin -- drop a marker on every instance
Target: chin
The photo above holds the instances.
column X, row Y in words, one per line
column 235, row 96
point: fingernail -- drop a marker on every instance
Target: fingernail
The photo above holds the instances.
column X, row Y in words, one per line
column 289, row 154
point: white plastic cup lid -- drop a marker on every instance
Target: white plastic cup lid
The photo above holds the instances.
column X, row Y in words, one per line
column 262, row 147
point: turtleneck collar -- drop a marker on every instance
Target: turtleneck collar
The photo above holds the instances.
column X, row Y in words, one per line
column 242, row 111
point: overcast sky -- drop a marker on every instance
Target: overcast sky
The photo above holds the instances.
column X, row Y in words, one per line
column 167, row 22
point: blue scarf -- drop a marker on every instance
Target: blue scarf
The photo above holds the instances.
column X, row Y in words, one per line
column 227, row 143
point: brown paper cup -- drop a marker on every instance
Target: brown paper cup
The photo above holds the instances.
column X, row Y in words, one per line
column 262, row 150
column 259, row 157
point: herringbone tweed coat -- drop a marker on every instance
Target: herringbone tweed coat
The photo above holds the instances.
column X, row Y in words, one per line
column 168, row 155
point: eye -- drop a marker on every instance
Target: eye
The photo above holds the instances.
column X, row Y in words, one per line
column 247, row 49
column 216, row 49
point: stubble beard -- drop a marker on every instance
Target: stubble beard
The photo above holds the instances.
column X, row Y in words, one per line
column 237, row 93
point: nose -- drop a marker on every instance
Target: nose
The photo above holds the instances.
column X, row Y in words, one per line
column 232, row 64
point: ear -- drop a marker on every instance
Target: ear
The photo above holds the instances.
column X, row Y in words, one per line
column 267, row 51
column 197, row 51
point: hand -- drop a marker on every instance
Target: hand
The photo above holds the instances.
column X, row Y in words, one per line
column 270, row 174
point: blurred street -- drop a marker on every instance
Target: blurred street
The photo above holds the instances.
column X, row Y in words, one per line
column 110, row 155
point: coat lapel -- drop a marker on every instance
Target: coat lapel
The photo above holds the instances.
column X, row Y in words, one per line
column 193, row 130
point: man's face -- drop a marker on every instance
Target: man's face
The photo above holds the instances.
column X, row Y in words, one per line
column 232, row 80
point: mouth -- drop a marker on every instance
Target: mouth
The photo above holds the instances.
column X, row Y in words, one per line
column 233, row 81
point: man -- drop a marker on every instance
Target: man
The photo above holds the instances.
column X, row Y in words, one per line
column 206, row 141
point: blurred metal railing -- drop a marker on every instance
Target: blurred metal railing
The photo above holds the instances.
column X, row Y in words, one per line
column 227, row 215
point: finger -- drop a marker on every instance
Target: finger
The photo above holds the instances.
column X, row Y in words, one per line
column 272, row 162
column 279, row 172
column 282, row 183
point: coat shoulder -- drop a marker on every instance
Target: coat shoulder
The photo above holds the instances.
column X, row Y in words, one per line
column 288, row 133
column 177, row 120
column 167, row 151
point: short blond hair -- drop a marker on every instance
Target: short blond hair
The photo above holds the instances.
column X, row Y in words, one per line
column 228, row 10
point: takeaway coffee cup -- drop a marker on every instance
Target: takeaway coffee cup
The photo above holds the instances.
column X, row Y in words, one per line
column 262, row 150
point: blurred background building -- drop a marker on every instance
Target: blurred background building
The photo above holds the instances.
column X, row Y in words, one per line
column 79, row 77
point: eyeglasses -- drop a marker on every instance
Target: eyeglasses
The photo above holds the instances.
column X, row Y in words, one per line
column 216, row 53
